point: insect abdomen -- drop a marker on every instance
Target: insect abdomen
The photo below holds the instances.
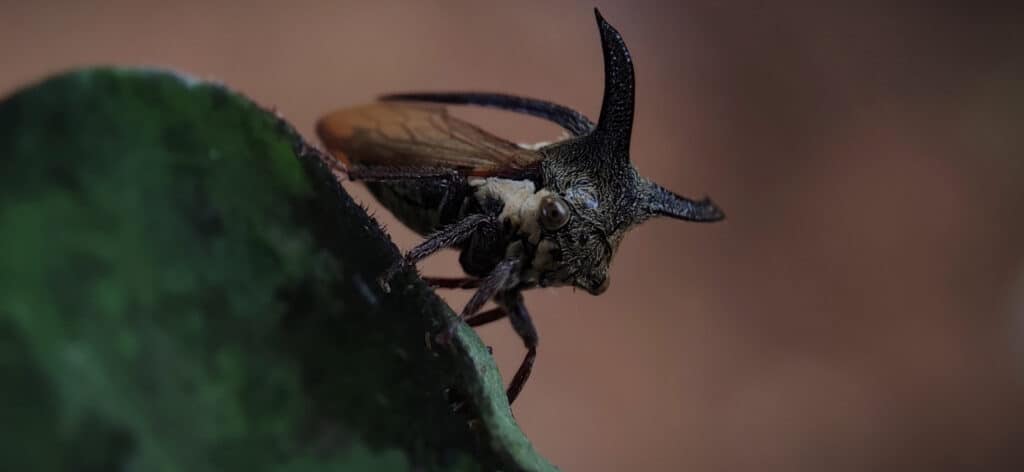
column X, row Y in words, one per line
column 422, row 207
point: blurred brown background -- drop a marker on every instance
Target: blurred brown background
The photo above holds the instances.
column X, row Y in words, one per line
column 861, row 309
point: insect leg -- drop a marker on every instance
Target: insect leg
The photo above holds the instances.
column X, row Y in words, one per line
column 452, row 282
column 446, row 237
column 484, row 317
column 521, row 322
column 501, row 278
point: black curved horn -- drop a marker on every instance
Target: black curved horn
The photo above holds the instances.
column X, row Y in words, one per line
column 615, row 125
column 657, row 200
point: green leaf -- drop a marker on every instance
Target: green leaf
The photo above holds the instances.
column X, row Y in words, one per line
column 185, row 286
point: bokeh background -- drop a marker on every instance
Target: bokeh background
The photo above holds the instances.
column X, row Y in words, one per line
column 861, row 309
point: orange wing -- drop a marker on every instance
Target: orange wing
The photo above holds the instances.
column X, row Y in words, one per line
column 410, row 136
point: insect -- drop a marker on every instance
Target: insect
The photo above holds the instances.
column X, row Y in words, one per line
column 521, row 217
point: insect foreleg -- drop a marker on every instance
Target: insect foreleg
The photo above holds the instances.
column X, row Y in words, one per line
column 484, row 317
column 448, row 236
column 521, row 322
column 452, row 282
column 445, row 237
column 503, row 277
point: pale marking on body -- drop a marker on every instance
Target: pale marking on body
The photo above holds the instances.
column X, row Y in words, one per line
column 521, row 202
column 521, row 208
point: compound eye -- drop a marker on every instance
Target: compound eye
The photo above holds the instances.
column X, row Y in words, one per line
column 554, row 212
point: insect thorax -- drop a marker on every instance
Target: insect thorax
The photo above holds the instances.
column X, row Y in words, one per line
column 518, row 212
column 514, row 204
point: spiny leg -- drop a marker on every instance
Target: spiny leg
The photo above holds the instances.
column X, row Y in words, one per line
column 480, row 319
column 445, row 237
column 501, row 278
column 521, row 322
column 448, row 236
column 452, row 282
column 484, row 317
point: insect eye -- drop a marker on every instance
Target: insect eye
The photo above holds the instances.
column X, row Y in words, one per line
column 554, row 212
